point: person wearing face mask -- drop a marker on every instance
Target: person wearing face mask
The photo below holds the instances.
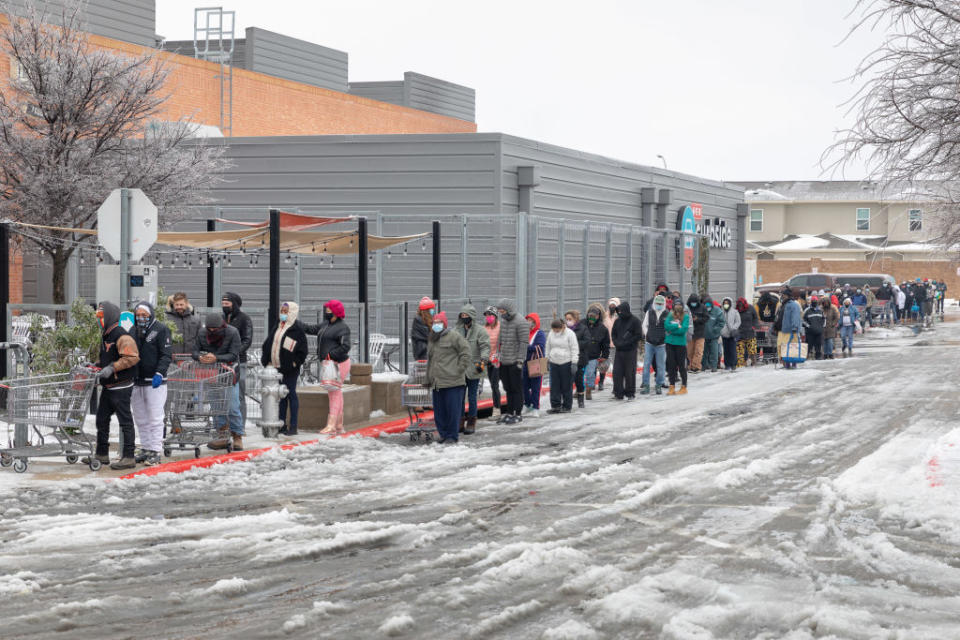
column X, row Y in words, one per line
column 118, row 369
column 831, row 323
column 479, row 343
column 609, row 317
column 716, row 321
column 596, row 348
column 698, row 318
column 655, row 352
column 813, row 325
column 848, row 321
column 885, row 297
column 572, row 320
column 533, row 385
column 286, row 350
column 333, row 341
column 790, row 323
column 514, row 332
column 747, row 339
column 677, row 326
column 181, row 313
column 729, row 333
column 220, row 342
column 420, row 331
column 149, row 393
column 563, row 353
column 236, row 318
column 448, row 360
column 626, row 336
column 492, row 327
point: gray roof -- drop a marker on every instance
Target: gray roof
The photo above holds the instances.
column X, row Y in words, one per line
column 830, row 241
column 836, row 190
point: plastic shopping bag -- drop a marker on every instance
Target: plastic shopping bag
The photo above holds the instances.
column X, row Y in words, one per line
column 330, row 376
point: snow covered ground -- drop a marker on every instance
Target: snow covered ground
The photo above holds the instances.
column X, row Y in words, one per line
column 817, row 503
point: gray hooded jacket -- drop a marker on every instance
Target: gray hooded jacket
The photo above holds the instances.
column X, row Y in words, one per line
column 477, row 339
column 514, row 334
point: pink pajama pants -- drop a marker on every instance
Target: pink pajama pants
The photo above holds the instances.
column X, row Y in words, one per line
column 336, row 397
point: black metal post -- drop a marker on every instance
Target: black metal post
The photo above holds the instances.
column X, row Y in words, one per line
column 4, row 292
column 211, row 226
column 364, row 285
column 404, row 333
column 436, row 262
column 273, row 308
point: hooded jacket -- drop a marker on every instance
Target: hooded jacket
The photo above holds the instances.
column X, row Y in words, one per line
column 241, row 322
column 537, row 340
column 188, row 326
column 627, row 329
column 731, row 320
column 767, row 306
column 748, row 320
column 597, row 343
column 153, row 346
column 291, row 344
column 715, row 320
column 609, row 318
column 831, row 321
column 698, row 315
column 227, row 350
column 419, row 337
column 654, row 326
column 448, row 359
column 493, row 336
column 117, row 348
column 514, row 335
column 477, row 339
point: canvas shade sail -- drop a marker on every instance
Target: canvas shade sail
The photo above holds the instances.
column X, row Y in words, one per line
column 302, row 242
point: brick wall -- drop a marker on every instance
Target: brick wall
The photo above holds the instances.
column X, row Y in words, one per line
column 939, row 270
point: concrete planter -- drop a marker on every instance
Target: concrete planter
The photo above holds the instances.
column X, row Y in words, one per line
column 315, row 406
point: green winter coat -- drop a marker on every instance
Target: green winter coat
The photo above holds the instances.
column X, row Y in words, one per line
column 477, row 339
column 448, row 357
column 677, row 331
column 715, row 323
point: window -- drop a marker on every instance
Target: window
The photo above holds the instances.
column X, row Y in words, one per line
column 797, row 281
column 756, row 220
column 916, row 219
column 818, row 281
column 863, row 219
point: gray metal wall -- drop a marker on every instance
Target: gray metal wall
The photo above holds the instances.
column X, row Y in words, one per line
column 389, row 91
column 128, row 20
column 439, row 96
column 293, row 59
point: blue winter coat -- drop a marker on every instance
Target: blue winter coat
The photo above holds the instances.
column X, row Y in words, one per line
column 854, row 314
column 859, row 299
column 792, row 317
column 537, row 348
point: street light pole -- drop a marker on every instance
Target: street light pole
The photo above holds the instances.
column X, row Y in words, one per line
column 662, row 159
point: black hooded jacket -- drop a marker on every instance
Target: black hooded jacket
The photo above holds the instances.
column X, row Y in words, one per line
column 597, row 343
column 155, row 347
column 698, row 314
column 117, row 349
column 228, row 349
column 241, row 322
column 627, row 330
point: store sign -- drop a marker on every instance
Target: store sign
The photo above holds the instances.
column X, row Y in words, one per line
column 717, row 232
column 687, row 219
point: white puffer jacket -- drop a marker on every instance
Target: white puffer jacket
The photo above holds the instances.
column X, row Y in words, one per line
column 731, row 326
column 562, row 348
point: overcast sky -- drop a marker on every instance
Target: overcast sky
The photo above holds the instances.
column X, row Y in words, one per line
column 733, row 90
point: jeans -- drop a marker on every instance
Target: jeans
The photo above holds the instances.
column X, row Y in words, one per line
column 625, row 374
column 677, row 363
column 846, row 337
column 234, row 415
column 561, row 386
column 290, row 382
column 729, row 353
column 512, row 378
column 590, row 373
column 115, row 401
column 578, row 376
column 493, row 376
column 654, row 354
column 828, row 347
column 447, row 409
column 242, row 376
column 531, row 389
column 472, row 387
column 711, row 353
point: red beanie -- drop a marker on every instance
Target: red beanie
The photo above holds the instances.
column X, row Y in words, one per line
column 441, row 317
column 426, row 303
column 336, row 308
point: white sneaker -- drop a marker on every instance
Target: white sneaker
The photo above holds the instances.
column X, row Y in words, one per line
column 528, row 409
column 534, row 413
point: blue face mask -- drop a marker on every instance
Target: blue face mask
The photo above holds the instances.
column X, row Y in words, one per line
column 693, row 304
column 432, row 312
column 143, row 323
column 283, row 317
column 437, row 327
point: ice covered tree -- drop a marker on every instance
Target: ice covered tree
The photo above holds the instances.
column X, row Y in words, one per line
column 78, row 120
column 906, row 127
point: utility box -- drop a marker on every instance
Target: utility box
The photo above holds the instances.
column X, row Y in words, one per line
column 143, row 284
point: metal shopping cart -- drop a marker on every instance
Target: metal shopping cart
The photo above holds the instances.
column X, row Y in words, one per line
column 766, row 343
column 53, row 407
column 198, row 403
column 416, row 397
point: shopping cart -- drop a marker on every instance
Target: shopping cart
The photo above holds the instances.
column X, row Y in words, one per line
column 416, row 397
column 53, row 407
column 766, row 343
column 198, row 404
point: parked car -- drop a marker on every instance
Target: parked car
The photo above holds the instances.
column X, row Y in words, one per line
column 804, row 283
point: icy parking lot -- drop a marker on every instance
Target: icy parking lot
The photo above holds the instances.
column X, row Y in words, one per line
column 816, row 503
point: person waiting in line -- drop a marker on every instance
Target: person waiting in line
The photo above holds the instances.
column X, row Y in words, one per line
column 813, row 325
column 420, row 331
column 711, row 334
column 597, row 347
column 626, row 335
column 747, row 338
column 235, row 317
column 149, row 393
column 729, row 333
column 533, row 385
column 790, row 321
column 219, row 343
column 848, row 321
column 286, row 350
column 448, row 359
column 654, row 349
column 831, row 322
column 491, row 325
column 479, row 343
column 609, row 317
column 181, row 313
column 513, row 340
column 677, row 325
column 333, row 342
column 572, row 319
column 698, row 320
column 563, row 353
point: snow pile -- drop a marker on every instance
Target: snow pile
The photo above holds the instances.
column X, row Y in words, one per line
column 226, row 588
column 320, row 611
column 389, row 376
column 396, row 625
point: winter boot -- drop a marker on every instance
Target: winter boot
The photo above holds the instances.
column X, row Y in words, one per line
column 553, row 410
column 463, row 422
column 589, row 394
column 221, row 441
column 471, row 426
column 659, row 389
column 123, row 463
column 683, row 391
column 102, row 459
column 672, row 391
column 645, row 390
column 237, row 442
column 152, row 459
column 580, row 400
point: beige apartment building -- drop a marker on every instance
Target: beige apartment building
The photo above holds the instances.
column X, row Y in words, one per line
column 842, row 226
